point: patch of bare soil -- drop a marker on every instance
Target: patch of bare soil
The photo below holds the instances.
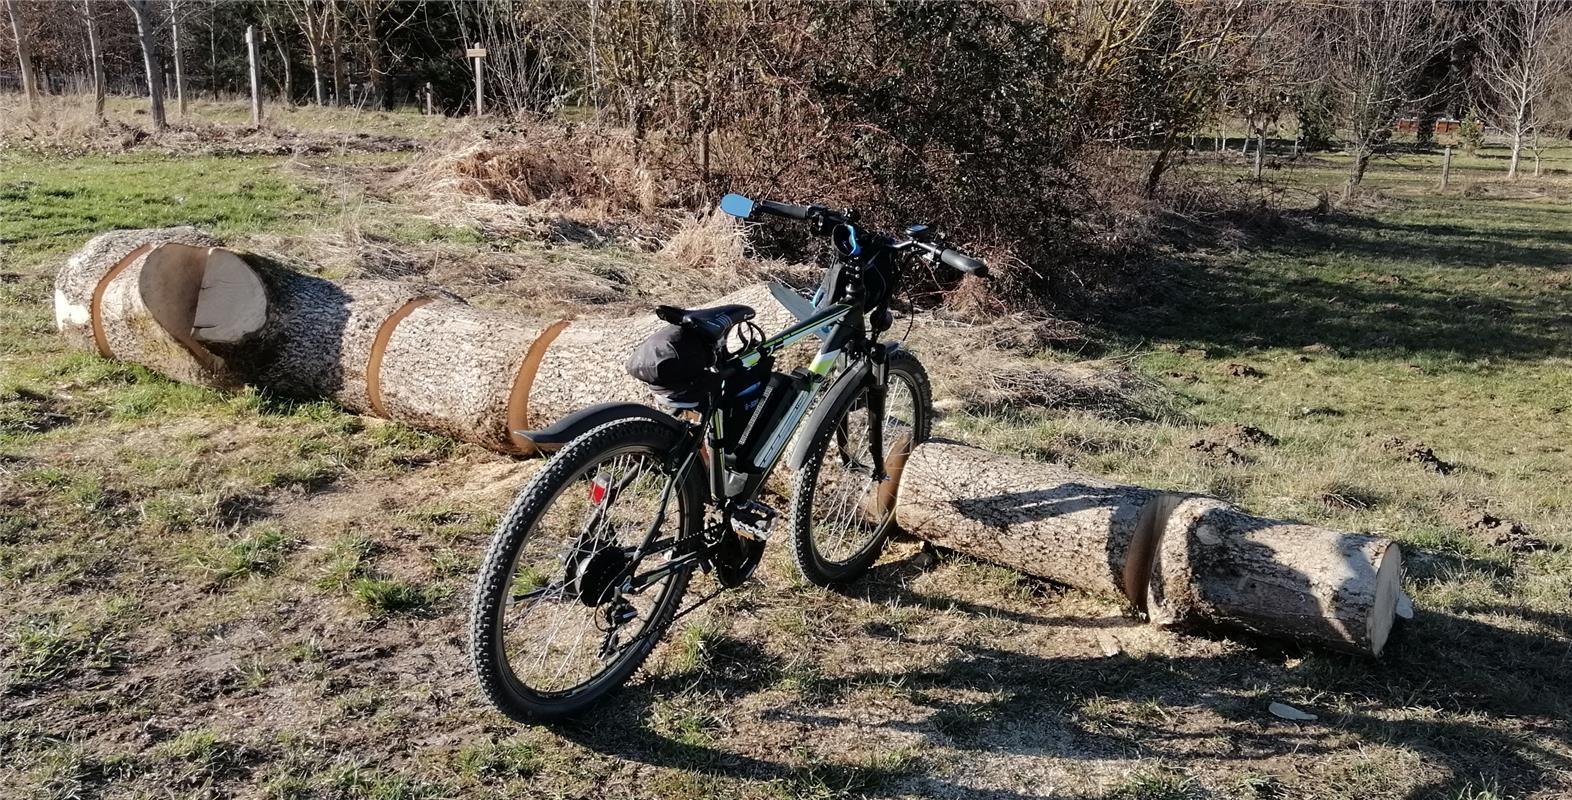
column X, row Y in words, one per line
column 1241, row 435
column 1237, row 370
column 1418, row 453
column 1496, row 531
column 1217, row 451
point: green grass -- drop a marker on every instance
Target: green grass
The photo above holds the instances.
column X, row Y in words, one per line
column 49, row 206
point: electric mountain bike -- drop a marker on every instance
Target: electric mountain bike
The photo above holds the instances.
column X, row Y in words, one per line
column 589, row 567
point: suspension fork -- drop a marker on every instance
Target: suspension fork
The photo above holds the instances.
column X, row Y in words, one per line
column 878, row 384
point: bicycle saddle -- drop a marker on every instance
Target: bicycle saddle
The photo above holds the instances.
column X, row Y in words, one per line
column 714, row 322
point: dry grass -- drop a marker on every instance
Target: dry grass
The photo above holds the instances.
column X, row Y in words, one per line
column 712, row 241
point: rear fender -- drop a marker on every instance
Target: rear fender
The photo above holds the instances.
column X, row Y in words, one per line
column 552, row 437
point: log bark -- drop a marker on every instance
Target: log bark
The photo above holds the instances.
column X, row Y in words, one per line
column 320, row 335
column 1040, row 519
column 462, row 371
column 1217, row 565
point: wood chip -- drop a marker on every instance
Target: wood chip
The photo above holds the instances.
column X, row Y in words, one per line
column 1288, row 712
column 1405, row 606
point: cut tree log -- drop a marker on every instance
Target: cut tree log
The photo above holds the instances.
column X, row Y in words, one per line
column 463, row 372
column 146, row 314
column 1216, row 565
column 80, row 283
column 1187, row 560
column 1040, row 519
column 171, row 300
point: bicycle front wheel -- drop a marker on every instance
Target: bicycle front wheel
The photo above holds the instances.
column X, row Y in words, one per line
column 840, row 514
column 551, row 631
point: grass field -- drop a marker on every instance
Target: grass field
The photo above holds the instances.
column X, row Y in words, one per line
column 212, row 595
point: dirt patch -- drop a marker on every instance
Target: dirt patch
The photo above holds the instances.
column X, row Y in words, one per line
column 1237, row 370
column 1496, row 531
column 1241, row 435
column 1217, row 451
column 1418, row 453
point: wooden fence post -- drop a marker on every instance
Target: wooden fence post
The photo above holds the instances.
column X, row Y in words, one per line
column 428, row 98
column 478, row 53
column 1446, row 168
column 256, row 76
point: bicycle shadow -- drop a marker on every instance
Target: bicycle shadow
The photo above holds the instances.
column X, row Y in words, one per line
column 987, row 700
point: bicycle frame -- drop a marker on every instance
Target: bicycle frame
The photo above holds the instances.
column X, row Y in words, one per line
column 840, row 324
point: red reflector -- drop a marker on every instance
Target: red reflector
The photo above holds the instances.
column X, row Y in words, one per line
column 598, row 490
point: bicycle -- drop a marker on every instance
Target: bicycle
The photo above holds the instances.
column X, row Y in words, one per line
column 605, row 538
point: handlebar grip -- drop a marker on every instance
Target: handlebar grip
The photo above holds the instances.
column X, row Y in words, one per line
column 783, row 209
column 964, row 263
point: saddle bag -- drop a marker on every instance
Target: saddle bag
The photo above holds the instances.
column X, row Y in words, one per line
column 672, row 361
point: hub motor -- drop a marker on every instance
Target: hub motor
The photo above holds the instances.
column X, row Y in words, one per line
column 595, row 582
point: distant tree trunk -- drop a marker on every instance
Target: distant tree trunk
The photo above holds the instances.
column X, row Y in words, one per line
column 180, row 70
column 1154, row 177
column 24, row 57
column 212, row 52
column 1517, row 152
column 340, row 75
column 147, row 34
column 1260, row 150
column 315, row 48
column 287, row 75
column 1356, row 171
column 376, row 74
column 96, row 57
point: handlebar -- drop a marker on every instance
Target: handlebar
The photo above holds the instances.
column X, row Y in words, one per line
column 824, row 219
column 787, row 210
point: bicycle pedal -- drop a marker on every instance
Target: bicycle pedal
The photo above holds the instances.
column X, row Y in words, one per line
column 753, row 520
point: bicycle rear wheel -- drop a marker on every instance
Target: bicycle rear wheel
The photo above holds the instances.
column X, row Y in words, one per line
column 840, row 515
column 550, row 632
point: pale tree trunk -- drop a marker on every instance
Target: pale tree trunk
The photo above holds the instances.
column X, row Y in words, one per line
column 24, row 57
column 1215, row 565
column 317, row 88
column 1260, row 150
column 1184, row 559
column 175, row 303
column 340, row 69
column 288, row 79
column 96, row 56
column 1517, row 153
column 1045, row 520
column 146, row 28
column 180, row 68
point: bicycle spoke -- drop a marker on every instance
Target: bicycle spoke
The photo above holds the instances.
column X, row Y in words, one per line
column 582, row 543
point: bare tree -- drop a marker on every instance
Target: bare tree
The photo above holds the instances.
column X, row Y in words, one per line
column 1375, row 54
column 1523, row 46
column 21, row 31
column 180, row 67
column 147, row 34
column 315, row 20
column 96, row 54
